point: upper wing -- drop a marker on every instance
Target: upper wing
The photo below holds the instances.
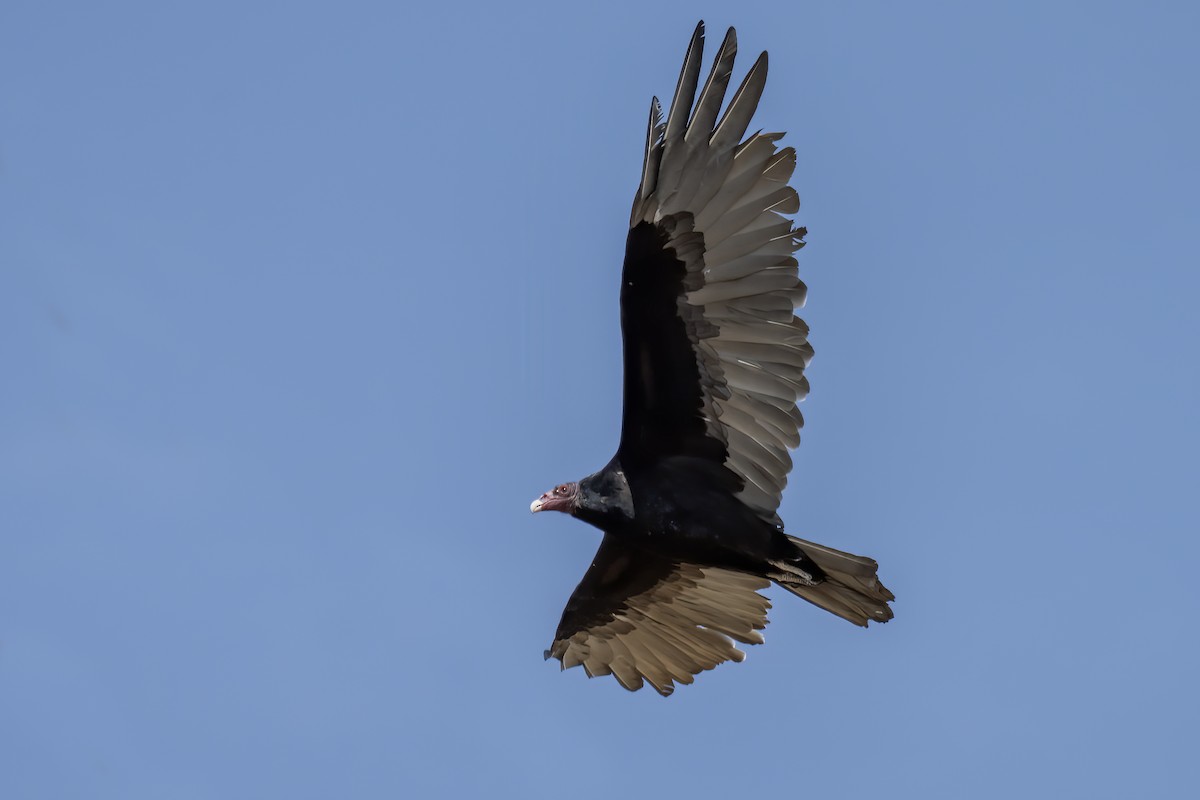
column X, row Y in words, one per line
column 714, row 355
column 640, row 617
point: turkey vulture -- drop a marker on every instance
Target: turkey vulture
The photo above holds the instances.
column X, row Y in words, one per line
column 714, row 362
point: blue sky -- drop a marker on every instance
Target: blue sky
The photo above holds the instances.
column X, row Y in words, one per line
column 301, row 305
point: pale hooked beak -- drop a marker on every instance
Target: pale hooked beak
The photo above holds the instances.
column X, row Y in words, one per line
column 540, row 503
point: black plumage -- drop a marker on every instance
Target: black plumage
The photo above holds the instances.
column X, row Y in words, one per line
column 714, row 361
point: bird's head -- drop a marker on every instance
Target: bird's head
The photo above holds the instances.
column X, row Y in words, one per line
column 564, row 497
column 602, row 499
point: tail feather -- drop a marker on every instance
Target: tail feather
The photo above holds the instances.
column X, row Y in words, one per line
column 851, row 589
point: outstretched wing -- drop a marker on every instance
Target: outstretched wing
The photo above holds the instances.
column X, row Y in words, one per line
column 641, row 617
column 714, row 355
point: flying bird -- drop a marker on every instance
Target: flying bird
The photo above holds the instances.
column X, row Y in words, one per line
column 714, row 361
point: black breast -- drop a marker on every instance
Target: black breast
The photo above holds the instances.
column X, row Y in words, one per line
column 686, row 507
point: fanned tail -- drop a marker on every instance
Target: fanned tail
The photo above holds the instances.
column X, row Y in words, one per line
column 851, row 589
